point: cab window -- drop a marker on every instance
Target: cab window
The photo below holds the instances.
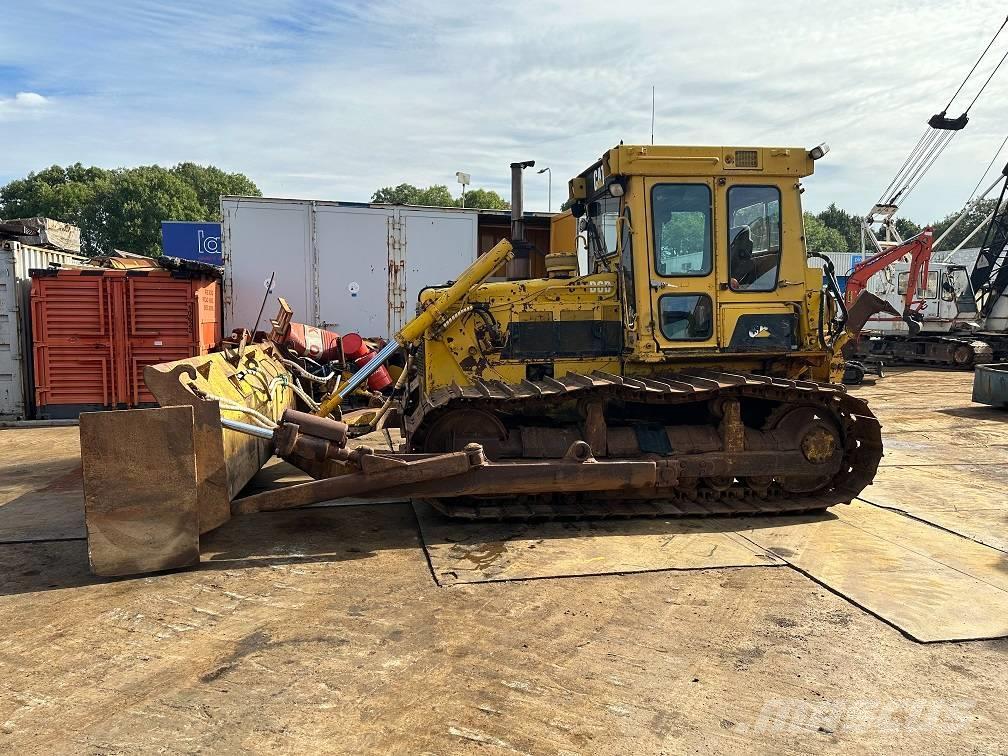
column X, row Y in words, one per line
column 627, row 270
column 948, row 292
column 686, row 317
column 601, row 229
column 962, row 290
column 925, row 290
column 682, row 229
column 931, row 290
column 754, row 237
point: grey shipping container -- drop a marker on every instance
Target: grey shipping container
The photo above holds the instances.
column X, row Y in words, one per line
column 16, row 259
column 343, row 266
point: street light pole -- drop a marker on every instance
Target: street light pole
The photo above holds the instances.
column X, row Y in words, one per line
column 549, row 178
column 463, row 178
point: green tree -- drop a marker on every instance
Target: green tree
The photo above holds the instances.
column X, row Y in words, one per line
column 123, row 208
column 486, row 199
column 846, row 224
column 210, row 183
column 822, row 238
column 404, row 194
column 906, row 228
column 56, row 192
column 683, row 233
column 130, row 206
column 974, row 217
column 438, row 195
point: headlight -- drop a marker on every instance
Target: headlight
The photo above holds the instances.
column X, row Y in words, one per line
column 817, row 152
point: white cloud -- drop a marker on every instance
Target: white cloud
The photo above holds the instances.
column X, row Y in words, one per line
column 29, row 99
column 22, row 103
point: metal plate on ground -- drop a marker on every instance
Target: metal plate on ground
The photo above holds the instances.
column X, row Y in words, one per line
column 916, row 450
column 140, row 490
column 931, row 584
column 959, row 498
column 40, row 485
column 52, row 512
column 480, row 552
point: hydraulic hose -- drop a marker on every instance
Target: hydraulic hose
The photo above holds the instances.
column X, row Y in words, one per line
column 482, row 268
column 832, row 288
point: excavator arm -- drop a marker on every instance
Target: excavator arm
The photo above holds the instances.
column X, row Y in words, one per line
column 919, row 250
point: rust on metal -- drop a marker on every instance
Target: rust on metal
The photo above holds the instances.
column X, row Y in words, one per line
column 732, row 430
column 391, row 472
column 155, row 479
column 140, row 490
column 225, row 459
column 817, row 446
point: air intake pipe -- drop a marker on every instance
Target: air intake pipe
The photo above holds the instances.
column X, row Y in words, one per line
column 519, row 268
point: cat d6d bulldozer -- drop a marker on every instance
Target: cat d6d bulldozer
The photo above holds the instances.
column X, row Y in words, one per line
column 675, row 353
column 702, row 341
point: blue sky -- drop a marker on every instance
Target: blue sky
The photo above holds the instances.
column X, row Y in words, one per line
column 331, row 100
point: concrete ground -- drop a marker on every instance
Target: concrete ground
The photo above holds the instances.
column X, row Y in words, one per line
column 323, row 631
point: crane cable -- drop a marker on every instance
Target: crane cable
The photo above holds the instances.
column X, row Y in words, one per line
column 937, row 135
column 987, row 169
column 977, row 96
column 972, row 202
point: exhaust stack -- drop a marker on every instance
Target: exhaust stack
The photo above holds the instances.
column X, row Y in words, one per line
column 519, row 268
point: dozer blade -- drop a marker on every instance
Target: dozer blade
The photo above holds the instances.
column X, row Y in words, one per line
column 140, row 491
column 155, row 479
column 225, row 460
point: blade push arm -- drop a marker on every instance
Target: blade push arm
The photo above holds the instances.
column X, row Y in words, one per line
column 481, row 269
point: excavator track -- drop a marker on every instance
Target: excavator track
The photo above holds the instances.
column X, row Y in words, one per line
column 948, row 351
column 860, row 435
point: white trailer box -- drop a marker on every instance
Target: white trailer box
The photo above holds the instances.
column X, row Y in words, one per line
column 16, row 259
column 343, row 266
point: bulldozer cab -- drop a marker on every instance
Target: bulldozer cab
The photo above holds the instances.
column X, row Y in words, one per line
column 707, row 242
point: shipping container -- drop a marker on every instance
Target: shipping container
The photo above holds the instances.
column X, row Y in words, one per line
column 341, row 266
column 843, row 265
column 96, row 330
column 16, row 259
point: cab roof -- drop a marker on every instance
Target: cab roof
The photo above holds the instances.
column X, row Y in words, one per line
column 675, row 161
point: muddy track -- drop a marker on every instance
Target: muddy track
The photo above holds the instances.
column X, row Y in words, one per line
column 860, row 434
column 981, row 353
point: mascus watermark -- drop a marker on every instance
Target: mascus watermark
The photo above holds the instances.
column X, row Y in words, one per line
column 861, row 716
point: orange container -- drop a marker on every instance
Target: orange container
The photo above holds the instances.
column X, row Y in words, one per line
column 94, row 331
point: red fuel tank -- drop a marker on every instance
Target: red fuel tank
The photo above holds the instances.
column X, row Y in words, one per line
column 309, row 341
column 359, row 353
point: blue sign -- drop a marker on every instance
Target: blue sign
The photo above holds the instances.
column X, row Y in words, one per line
column 200, row 242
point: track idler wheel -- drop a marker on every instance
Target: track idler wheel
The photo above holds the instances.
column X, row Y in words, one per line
column 819, row 442
column 962, row 356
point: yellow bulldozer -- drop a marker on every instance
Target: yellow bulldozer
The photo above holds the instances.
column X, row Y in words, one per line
column 692, row 369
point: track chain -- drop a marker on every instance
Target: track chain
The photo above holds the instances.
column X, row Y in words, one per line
column 860, row 431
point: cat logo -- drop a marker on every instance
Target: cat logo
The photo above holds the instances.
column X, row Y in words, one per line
column 759, row 332
column 598, row 178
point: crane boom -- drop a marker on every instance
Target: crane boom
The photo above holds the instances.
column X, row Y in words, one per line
column 990, row 277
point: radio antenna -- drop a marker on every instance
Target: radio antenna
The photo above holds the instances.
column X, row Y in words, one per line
column 652, row 113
